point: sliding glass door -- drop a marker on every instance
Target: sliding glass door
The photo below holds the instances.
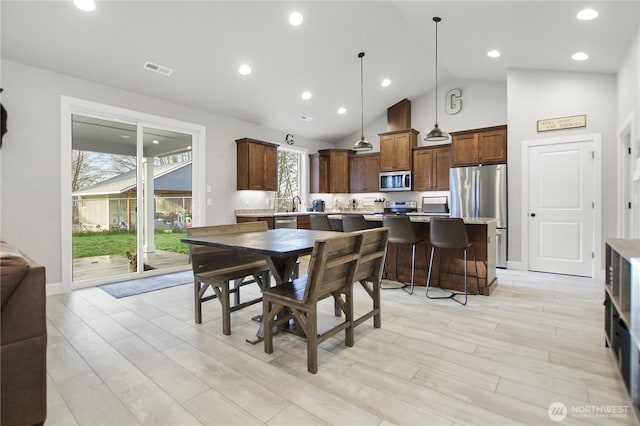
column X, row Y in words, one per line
column 131, row 198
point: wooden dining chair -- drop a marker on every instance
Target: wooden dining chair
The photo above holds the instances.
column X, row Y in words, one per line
column 225, row 271
column 369, row 273
column 332, row 271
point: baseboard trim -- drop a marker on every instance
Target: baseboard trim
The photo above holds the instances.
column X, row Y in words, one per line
column 516, row 266
column 54, row 288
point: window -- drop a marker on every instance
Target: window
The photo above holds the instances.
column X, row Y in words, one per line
column 290, row 179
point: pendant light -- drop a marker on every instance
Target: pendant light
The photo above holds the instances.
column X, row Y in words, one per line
column 436, row 134
column 362, row 144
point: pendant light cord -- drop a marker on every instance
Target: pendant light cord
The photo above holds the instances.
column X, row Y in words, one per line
column 436, row 20
column 361, row 55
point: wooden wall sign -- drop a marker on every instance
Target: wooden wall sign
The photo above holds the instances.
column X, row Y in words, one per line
column 562, row 123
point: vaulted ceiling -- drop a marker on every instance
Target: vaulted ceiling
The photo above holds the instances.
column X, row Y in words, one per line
column 205, row 42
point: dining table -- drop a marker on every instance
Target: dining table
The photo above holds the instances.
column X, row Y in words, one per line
column 281, row 248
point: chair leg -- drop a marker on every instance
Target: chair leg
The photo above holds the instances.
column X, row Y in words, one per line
column 450, row 296
column 348, row 332
column 465, row 282
column 267, row 327
column 377, row 318
column 312, row 340
column 475, row 261
column 197, row 285
column 413, row 268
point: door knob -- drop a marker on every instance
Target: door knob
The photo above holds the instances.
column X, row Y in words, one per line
column 533, row 215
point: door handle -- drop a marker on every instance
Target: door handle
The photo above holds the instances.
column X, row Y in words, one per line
column 533, row 215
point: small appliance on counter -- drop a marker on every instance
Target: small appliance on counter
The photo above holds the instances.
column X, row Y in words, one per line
column 400, row 207
column 436, row 206
column 317, row 205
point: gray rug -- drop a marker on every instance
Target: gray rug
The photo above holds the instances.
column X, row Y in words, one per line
column 145, row 285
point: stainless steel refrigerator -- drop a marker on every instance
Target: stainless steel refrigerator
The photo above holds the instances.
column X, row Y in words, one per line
column 481, row 191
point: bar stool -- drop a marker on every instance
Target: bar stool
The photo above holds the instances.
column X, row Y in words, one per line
column 320, row 222
column 401, row 232
column 353, row 222
column 450, row 233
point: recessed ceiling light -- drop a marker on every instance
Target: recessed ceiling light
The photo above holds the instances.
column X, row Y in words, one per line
column 244, row 69
column 385, row 83
column 579, row 56
column 156, row 142
column 125, row 136
column 587, row 14
column 306, row 95
column 342, row 110
column 85, row 5
column 493, row 54
column 189, row 147
column 295, row 19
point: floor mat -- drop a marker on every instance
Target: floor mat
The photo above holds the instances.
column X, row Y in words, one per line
column 145, row 285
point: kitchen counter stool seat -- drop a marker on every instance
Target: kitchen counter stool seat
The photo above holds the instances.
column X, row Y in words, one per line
column 401, row 231
column 225, row 271
column 353, row 222
column 450, row 234
column 320, row 222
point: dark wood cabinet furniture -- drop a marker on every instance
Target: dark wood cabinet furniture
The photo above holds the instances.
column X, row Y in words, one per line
column 329, row 170
column 257, row 165
column 363, row 172
column 269, row 219
column 622, row 311
column 395, row 149
column 479, row 146
column 304, row 221
column 431, row 166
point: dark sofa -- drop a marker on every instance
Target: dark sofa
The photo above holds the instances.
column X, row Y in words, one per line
column 23, row 346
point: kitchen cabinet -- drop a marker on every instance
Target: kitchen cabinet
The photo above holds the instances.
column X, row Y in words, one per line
column 395, row 149
column 304, row 221
column 269, row 219
column 363, row 172
column 622, row 311
column 257, row 167
column 329, row 171
column 431, row 168
column 479, row 146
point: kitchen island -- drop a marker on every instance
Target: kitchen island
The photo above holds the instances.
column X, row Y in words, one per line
column 481, row 231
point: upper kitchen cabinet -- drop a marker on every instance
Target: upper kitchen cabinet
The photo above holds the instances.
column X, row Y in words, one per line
column 363, row 172
column 395, row 149
column 257, row 165
column 479, row 146
column 329, row 170
column 431, row 166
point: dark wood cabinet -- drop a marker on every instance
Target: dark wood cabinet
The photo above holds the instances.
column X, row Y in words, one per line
column 257, row 165
column 304, row 221
column 329, row 171
column 395, row 149
column 431, row 168
column 479, row 146
column 363, row 172
column 269, row 219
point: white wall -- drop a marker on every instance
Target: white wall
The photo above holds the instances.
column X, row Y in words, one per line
column 484, row 104
column 30, row 197
column 629, row 107
column 534, row 95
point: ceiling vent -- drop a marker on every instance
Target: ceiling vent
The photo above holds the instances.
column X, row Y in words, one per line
column 158, row 68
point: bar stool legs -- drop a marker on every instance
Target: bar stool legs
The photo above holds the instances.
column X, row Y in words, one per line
column 453, row 294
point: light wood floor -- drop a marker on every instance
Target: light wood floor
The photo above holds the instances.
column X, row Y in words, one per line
column 500, row 360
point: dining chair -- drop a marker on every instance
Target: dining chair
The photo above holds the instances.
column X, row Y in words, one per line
column 353, row 222
column 332, row 271
column 369, row 272
column 451, row 234
column 401, row 231
column 320, row 222
column 225, row 271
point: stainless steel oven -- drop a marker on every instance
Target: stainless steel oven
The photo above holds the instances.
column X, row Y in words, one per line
column 395, row 181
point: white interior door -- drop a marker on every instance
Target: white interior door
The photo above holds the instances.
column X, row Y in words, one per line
column 561, row 208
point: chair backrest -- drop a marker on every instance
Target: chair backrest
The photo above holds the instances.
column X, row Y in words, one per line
column 401, row 230
column 353, row 222
column 333, row 265
column 448, row 233
column 205, row 259
column 372, row 255
column 320, row 222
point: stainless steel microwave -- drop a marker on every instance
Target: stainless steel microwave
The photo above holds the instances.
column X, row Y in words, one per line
column 395, row 181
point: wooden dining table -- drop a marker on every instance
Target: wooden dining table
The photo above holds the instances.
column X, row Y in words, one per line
column 280, row 247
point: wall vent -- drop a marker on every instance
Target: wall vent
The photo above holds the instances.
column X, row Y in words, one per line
column 158, row 68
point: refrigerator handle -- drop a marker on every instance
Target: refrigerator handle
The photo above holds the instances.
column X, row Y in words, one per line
column 476, row 193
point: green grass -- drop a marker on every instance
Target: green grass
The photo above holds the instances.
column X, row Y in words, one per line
column 89, row 244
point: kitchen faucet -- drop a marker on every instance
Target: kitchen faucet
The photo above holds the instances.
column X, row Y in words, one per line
column 293, row 203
